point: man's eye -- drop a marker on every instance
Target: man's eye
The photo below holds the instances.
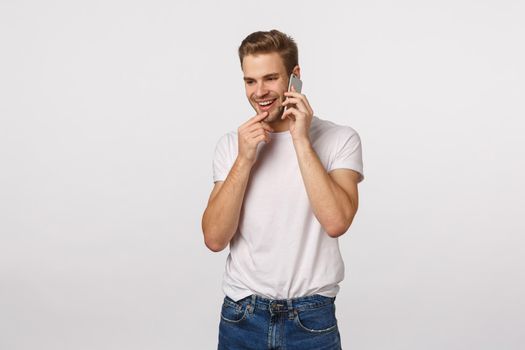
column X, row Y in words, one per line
column 249, row 82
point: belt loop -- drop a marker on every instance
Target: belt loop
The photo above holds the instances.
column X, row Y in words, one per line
column 290, row 309
column 252, row 304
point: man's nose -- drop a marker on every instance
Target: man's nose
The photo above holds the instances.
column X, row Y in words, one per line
column 261, row 90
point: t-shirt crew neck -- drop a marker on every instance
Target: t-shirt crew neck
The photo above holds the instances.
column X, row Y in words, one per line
column 281, row 134
column 286, row 134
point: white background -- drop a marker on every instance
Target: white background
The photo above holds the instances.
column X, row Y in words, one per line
column 110, row 112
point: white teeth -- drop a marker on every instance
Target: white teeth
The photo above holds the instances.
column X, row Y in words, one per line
column 265, row 103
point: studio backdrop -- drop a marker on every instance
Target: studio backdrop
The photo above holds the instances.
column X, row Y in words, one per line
column 109, row 116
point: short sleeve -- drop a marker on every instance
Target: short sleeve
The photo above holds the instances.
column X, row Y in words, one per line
column 349, row 154
column 222, row 159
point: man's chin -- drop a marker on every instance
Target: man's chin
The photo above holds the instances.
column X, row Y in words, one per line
column 274, row 115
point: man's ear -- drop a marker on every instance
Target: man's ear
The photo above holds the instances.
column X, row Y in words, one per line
column 297, row 71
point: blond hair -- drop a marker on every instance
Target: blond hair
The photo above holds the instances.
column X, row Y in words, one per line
column 268, row 42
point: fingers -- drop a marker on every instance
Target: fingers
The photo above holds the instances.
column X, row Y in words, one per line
column 252, row 139
column 255, row 123
column 265, row 138
column 293, row 94
column 259, row 125
column 299, row 99
column 267, row 127
column 299, row 103
column 258, row 117
column 292, row 113
column 256, row 134
column 250, row 134
column 254, row 120
column 255, row 130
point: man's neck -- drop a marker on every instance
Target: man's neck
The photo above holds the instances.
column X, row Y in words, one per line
column 280, row 125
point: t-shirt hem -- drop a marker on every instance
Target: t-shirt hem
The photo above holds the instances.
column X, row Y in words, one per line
column 240, row 296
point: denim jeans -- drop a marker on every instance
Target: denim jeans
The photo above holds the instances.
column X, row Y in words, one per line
column 257, row 323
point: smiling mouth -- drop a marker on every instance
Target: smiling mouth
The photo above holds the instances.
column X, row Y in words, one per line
column 266, row 104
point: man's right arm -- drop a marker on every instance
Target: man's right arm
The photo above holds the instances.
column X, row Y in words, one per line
column 221, row 217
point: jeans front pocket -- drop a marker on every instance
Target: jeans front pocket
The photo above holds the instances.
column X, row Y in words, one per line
column 233, row 312
column 317, row 320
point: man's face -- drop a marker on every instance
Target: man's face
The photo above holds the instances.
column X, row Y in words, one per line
column 266, row 81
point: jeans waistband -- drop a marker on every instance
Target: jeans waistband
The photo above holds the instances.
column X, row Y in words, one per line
column 282, row 305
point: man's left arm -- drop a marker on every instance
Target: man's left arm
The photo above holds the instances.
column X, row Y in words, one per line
column 333, row 196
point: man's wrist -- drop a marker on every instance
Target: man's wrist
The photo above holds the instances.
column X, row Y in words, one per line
column 243, row 164
column 302, row 143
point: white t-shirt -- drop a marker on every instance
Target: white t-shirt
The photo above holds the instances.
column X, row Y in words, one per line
column 280, row 250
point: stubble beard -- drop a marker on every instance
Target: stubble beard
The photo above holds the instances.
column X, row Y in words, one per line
column 275, row 115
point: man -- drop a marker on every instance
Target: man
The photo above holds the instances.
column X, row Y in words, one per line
column 285, row 190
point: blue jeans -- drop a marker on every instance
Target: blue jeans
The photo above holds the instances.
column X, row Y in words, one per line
column 257, row 323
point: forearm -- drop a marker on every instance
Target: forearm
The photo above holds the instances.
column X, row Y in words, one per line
column 331, row 205
column 221, row 217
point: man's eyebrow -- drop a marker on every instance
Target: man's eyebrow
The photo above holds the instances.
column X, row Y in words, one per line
column 271, row 75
